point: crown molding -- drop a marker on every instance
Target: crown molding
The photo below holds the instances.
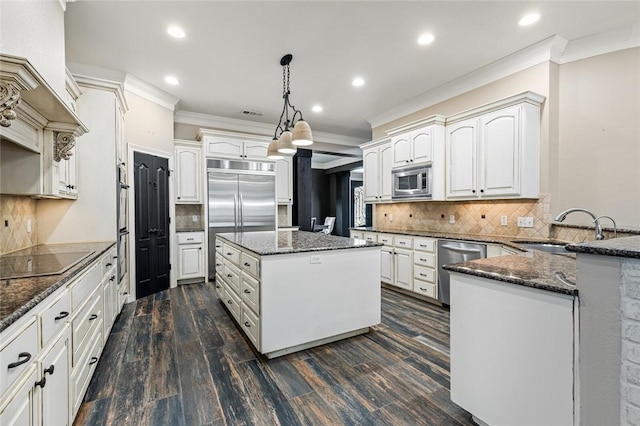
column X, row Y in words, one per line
column 149, row 92
column 375, row 142
column 335, row 163
column 545, row 50
column 434, row 119
column 524, row 97
column 599, row 44
column 94, row 77
column 254, row 127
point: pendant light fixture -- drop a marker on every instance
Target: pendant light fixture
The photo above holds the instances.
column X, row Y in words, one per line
column 293, row 131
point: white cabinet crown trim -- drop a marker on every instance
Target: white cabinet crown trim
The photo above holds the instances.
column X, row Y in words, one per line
column 418, row 124
column 524, row 97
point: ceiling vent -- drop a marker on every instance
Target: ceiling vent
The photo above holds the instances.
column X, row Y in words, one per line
column 252, row 113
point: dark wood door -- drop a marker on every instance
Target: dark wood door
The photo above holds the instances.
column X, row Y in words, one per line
column 151, row 185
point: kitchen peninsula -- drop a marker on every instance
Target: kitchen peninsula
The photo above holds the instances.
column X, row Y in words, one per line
column 291, row 290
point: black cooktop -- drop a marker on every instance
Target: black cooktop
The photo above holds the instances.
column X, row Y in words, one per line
column 35, row 265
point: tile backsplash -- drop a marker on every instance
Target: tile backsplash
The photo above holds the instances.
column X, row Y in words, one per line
column 185, row 214
column 16, row 212
column 471, row 217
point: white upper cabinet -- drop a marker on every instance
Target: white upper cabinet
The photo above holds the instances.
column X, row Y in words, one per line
column 219, row 144
column 495, row 154
column 377, row 164
column 284, row 180
column 189, row 176
column 413, row 147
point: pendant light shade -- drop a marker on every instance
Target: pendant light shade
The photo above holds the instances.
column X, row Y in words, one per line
column 285, row 145
column 272, row 151
column 302, row 134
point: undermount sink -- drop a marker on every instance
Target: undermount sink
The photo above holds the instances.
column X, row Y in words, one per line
column 547, row 247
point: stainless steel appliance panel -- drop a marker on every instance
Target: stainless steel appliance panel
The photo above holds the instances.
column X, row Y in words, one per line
column 257, row 202
column 412, row 182
column 449, row 252
column 223, row 200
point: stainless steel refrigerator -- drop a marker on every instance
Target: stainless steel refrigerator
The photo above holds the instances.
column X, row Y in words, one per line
column 241, row 198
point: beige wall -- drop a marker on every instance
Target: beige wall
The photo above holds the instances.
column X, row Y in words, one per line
column 148, row 124
column 16, row 211
column 35, row 30
column 599, row 137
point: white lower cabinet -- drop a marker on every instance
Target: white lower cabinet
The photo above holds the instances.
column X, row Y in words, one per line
column 47, row 357
column 403, row 267
column 190, row 255
column 386, row 264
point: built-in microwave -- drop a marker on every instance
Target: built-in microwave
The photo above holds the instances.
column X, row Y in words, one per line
column 412, row 182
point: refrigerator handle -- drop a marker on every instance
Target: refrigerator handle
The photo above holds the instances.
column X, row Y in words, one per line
column 235, row 213
column 241, row 214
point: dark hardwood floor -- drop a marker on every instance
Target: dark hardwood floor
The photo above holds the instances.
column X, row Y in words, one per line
column 177, row 358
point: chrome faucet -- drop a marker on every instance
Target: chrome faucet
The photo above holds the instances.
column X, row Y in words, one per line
column 615, row 228
column 562, row 216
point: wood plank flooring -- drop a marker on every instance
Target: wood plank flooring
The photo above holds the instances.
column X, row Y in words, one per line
column 177, row 358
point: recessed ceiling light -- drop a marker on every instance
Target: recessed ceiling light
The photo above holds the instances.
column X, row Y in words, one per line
column 176, row 32
column 528, row 19
column 426, row 39
column 171, row 80
column 358, row 81
column 316, row 108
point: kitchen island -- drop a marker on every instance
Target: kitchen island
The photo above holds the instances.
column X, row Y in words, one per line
column 292, row 290
column 513, row 331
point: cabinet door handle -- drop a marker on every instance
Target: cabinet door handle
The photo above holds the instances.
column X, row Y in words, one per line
column 423, row 275
column 49, row 370
column 107, row 265
column 229, row 276
column 423, row 289
column 247, row 264
column 92, row 317
column 63, row 314
column 217, row 246
column 401, row 242
column 189, row 239
column 229, row 254
column 217, row 285
column 246, row 324
column 25, row 355
column 94, row 359
column 247, row 291
column 473, row 190
column 230, row 302
column 424, row 260
column 42, row 382
column 178, row 198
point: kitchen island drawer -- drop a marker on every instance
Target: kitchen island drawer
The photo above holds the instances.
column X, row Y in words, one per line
column 55, row 316
column 219, row 286
column 232, row 276
column 250, row 264
column 233, row 303
column 251, row 326
column 251, row 293
column 17, row 352
column 219, row 246
column 231, row 253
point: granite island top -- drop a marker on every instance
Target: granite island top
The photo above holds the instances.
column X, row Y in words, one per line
column 621, row 247
column 19, row 295
column 536, row 269
column 282, row 242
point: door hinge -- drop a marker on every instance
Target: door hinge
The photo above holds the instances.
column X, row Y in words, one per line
column 169, row 219
column 169, row 266
column 168, row 173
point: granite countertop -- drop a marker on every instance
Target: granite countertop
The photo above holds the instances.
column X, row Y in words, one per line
column 189, row 230
column 536, row 269
column 506, row 241
column 282, row 242
column 19, row 295
column 621, row 247
column 605, row 227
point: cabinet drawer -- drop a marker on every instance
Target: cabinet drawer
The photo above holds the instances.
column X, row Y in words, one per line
column 82, row 373
column 55, row 316
column 357, row 234
column 219, row 264
column 232, row 276
column 231, row 253
column 370, row 236
column 219, row 246
column 219, row 286
column 403, row 242
column 250, row 264
column 424, row 274
column 424, row 259
column 425, row 244
column 425, row 288
column 251, row 326
column 251, row 293
column 386, row 239
column 86, row 284
column 190, row 237
column 233, row 304
column 84, row 324
column 108, row 261
column 20, row 350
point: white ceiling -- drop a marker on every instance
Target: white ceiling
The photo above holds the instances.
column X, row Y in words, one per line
column 229, row 59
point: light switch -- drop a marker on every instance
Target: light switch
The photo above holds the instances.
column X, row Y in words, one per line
column 28, row 226
column 194, row 218
column 503, row 221
column 452, row 218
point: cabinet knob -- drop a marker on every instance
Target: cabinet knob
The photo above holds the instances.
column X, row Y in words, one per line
column 473, row 190
column 230, row 302
column 49, row 370
column 178, row 198
column 482, row 190
column 411, row 160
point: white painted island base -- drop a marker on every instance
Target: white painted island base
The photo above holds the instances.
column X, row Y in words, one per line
column 289, row 302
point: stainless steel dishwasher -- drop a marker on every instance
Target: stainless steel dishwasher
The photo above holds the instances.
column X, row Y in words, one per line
column 451, row 251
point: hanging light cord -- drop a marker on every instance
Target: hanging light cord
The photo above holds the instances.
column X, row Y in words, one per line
column 285, row 111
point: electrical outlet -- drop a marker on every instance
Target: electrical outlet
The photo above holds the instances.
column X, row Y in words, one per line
column 390, row 217
column 28, row 226
column 452, row 218
column 525, row 222
column 194, row 218
column 315, row 258
column 503, row 220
